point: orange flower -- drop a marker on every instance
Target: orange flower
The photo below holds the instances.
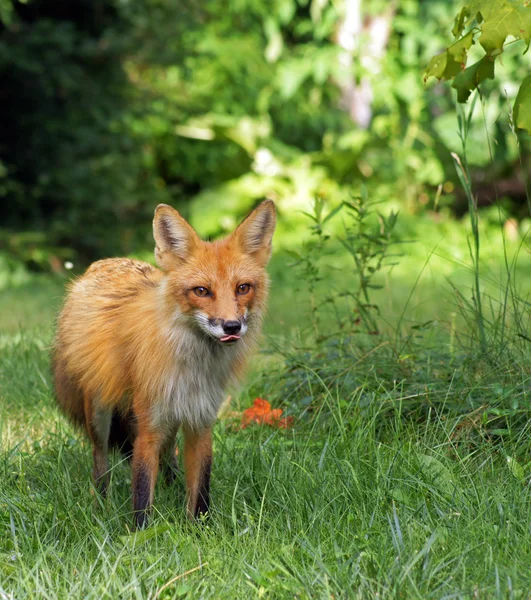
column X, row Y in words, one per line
column 262, row 413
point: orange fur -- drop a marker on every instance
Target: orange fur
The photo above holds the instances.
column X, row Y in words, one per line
column 137, row 341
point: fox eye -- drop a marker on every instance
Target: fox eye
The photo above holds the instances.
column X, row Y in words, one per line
column 201, row 291
column 243, row 289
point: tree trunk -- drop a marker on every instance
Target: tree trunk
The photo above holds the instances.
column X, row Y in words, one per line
column 366, row 39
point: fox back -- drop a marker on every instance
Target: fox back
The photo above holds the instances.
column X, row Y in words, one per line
column 148, row 350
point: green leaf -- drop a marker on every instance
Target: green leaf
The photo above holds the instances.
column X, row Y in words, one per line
column 470, row 78
column 275, row 43
column 6, row 12
column 495, row 21
column 400, row 496
column 522, row 105
column 292, row 74
column 448, row 64
column 502, row 18
column 139, row 537
column 516, row 469
column 459, row 23
column 441, row 475
column 332, row 213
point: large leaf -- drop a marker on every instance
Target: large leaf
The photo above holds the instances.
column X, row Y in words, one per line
column 522, row 105
column 502, row 18
column 494, row 21
column 469, row 79
column 451, row 62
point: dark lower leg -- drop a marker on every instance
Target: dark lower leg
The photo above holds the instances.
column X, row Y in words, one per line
column 145, row 466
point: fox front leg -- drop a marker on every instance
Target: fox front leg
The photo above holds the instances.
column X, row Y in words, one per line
column 197, row 466
column 146, row 453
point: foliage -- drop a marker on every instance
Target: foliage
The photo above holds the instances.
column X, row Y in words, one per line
column 212, row 108
column 351, row 336
column 261, row 413
column 307, row 259
column 70, row 163
column 495, row 24
column 367, row 239
column 369, row 247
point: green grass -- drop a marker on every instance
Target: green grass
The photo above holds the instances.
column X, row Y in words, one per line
column 405, row 477
column 360, row 505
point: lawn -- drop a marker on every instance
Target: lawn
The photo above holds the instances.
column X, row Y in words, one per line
column 412, row 481
column 394, row 139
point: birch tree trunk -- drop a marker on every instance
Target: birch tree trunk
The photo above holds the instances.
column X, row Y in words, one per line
column 363, row 40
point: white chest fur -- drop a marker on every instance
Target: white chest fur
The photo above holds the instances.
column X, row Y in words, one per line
column 193, row 391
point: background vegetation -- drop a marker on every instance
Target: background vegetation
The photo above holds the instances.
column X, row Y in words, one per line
column 109, row 108
column 397, row 339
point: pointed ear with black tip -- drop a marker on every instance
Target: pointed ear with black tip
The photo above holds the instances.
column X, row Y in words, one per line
column 175, row 239
column 255, row 233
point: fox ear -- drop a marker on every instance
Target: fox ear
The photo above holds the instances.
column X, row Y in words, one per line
column 255, row 232
column 174, row 237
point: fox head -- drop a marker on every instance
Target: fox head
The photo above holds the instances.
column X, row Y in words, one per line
column 220, row 287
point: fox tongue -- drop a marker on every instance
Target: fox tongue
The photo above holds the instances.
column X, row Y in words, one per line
column 229, row 338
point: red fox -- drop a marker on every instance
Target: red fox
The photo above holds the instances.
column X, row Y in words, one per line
column 141, row 351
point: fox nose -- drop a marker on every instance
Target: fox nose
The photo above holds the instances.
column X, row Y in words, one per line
column 231, row 327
